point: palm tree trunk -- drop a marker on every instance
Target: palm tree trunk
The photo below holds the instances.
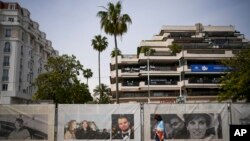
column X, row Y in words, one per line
column 99, row 69
column 116, row 72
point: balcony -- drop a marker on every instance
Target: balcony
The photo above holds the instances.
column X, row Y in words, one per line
column 200, row 83
column 133, row 95
column 205, row 81
column 131, row 83
column 161, row 82
column 160, row 85
column 130, row 70
column 160, row 56
column 5, row 78
column 217, row 53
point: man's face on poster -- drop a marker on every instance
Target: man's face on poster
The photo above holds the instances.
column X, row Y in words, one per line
column 123, row 124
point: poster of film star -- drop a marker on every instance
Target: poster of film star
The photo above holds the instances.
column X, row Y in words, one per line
column 186, row 121
column 240, row 114
column 88, row 127
column 122, row 126
column 27, row 122
column 189, row 126
column 96, row 122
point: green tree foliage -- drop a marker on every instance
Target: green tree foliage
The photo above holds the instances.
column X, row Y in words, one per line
column 236, row 84
column 114, row 23
column 60, row 83
column 175, row 48
column 145, row 50
column 119, row 52
column 87, row 74
column 104, row 93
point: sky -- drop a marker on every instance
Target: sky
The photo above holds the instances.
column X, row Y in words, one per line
column 72, row 24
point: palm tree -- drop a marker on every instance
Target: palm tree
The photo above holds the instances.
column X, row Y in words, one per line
column 113, row 52
column 99, row 43
column 87, row 74
column 104, row 93
column 116, row 24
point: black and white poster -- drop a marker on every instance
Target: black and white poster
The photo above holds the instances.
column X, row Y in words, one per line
column 240, row 114
column 99, row 122
column 27, row 122
column 189, row 126
column 187, row 121
column 122, row 126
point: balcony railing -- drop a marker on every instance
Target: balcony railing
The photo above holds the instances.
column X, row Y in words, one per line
column 131, row 95
column 203, row 93
column 202, row 80
column 130, row 83
column 163, row 94
column 206, row 51
column 161, row 82
column 130, row 70
column 129, row 56
column 5, row 78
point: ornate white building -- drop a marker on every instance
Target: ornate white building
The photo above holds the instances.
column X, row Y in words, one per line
column 24, row 50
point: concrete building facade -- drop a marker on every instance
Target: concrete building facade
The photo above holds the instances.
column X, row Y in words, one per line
column 24, row 50
column 164, row 76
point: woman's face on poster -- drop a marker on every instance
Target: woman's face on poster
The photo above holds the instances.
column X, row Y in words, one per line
column 197, row 127
column 85, row 124
column 74, row 125
column 176, row 124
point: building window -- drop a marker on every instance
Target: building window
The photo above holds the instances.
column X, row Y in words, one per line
column 11, row 19
column 8, row 33
column 4, row 87
column 19, row 87
column 12, row 6
column 22, row 50
column 23, row 35
column 6, row 61
column 6, row 47
column 5, row 75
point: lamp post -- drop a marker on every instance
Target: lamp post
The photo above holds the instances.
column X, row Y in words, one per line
column 181, row 98
column 148, row 52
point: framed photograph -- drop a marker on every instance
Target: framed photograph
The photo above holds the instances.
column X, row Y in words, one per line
column 122, row 126
column 99, row 122
column 27, row 122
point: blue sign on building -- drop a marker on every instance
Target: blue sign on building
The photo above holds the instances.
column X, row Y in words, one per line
column 210, row 68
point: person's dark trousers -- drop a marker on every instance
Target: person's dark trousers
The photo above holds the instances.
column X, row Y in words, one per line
column 157, row 139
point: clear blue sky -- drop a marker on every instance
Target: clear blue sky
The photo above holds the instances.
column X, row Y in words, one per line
column 71, row 24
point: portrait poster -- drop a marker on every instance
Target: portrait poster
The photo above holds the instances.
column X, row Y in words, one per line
column 99, row 122
column 187, row 121
column 27, row 122
column 240, row 114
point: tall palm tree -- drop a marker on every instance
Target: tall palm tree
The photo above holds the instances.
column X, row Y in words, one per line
column 116, row 24
column 87, row 74
column 99, row 43
column 104, row 93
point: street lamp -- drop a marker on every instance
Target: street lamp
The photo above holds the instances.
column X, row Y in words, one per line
column 181, row 98
column 148, row 53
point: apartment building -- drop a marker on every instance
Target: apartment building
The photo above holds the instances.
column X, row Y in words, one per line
column 163, row 76
column 24, row 50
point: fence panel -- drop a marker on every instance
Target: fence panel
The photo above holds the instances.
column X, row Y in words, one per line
column 99, row 122
column 188, row 121
column 240, row 114
column 32, row 122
